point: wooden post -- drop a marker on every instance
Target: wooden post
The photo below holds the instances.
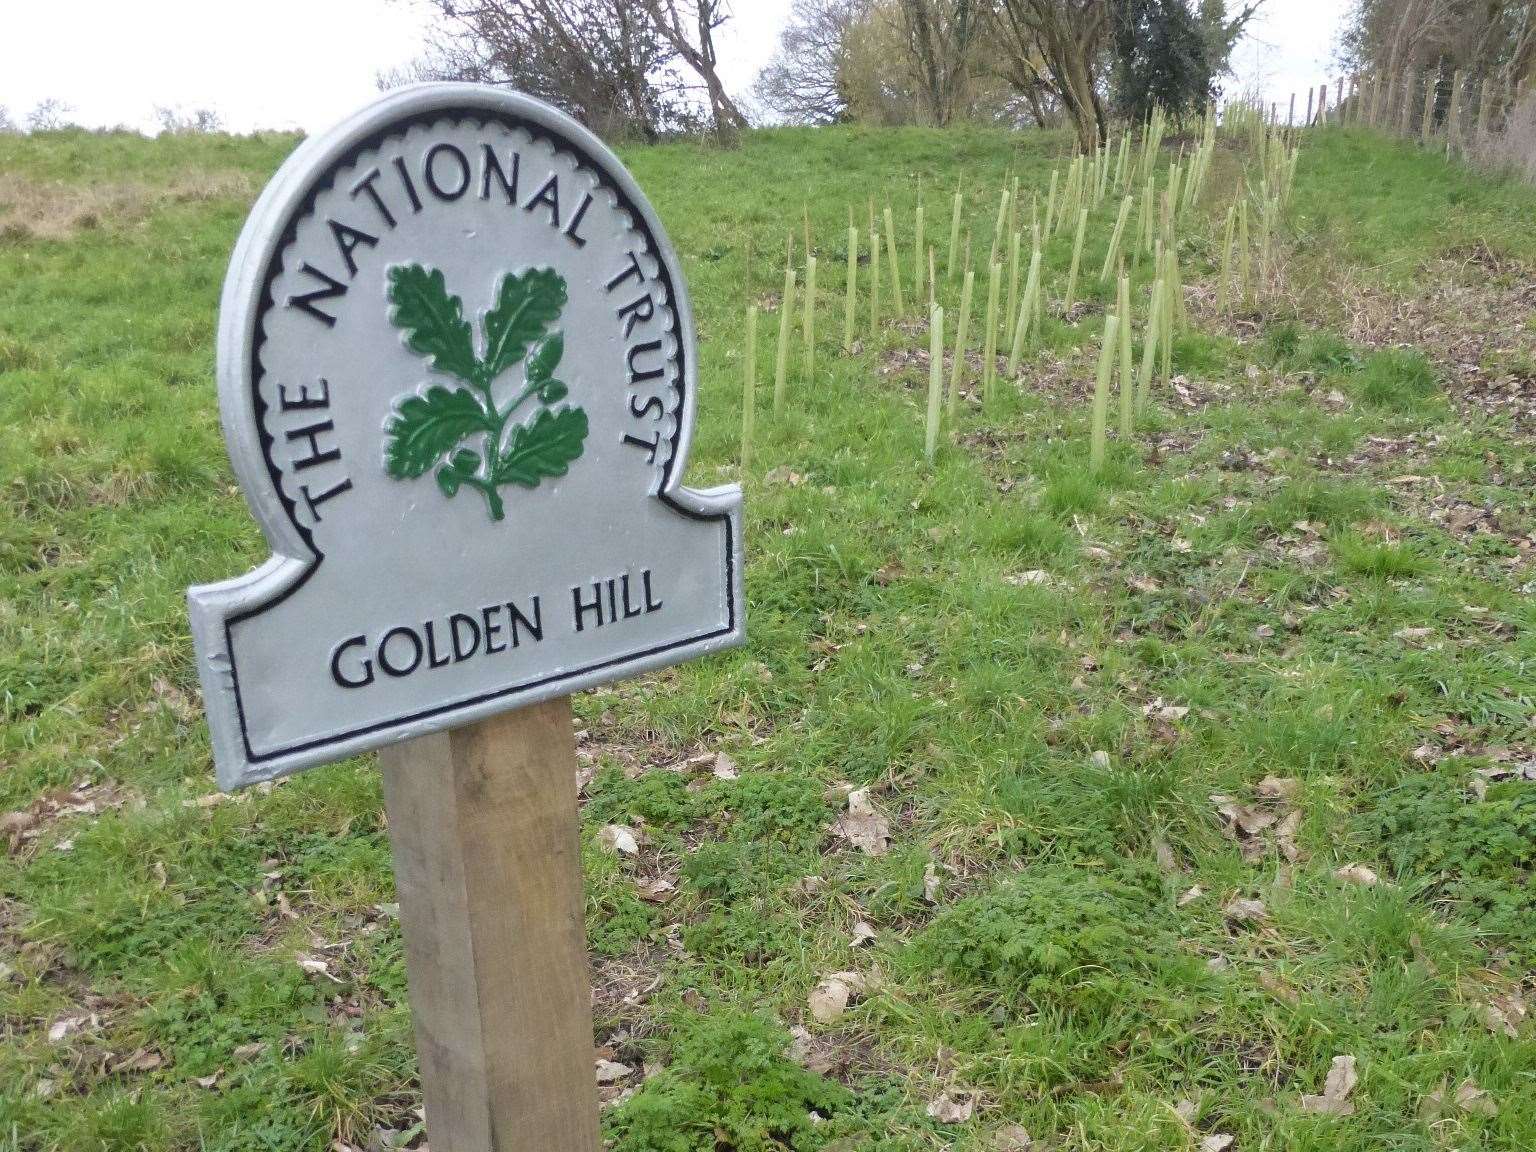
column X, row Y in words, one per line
column 1309, row 107
column 487, row 853
column 1453, row 117
column 1427, row 125
column 1322, row 105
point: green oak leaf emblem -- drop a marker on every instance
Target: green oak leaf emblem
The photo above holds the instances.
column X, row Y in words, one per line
column 461, row 431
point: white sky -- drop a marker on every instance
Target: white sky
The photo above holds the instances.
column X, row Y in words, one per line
column 307, row 63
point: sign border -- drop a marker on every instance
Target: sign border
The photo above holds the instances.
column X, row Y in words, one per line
column 215, row 608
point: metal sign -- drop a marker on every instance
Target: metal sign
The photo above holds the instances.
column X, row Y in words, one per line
column 457, row 380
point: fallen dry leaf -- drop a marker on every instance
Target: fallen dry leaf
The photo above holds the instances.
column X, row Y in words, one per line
column 1357, row 874
column 1285, row 836
column 619, row 838
column 657, row 891
column 1190, row 896
column 1157, row 710
column 611, row 1071
column 947, row 1109
column 1504, row 1014
column 1244, row 909
column 1216, row 1142
column 1247, row 820
column 316, row 967
column 59, row 1029
column 863, row 826
column 14, row 825
column 930, row 883
column 863, row 933
column 832, row 995
column 1011, row 1138
column 1340, row 1082
column 1279, row 787
column 1471, row 1098
column 1033, row 576
column 725, row 768
column 142, row 1060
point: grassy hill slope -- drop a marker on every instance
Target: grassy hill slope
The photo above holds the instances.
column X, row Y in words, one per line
column 1125, row 729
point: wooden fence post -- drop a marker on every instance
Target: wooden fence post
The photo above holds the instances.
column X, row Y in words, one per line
column 1427, row 124
column 487, row 853
column 1453, row 117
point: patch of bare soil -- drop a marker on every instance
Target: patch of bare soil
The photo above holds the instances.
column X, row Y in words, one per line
column 1472, row 318
column 55, row 210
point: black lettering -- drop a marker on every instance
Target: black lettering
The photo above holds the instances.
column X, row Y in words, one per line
column 651, row 605
column 613, row 607
column 491, row 165
column 492, row 630
column 317, row 455
column 632, row 269
column 348, row 238
column 649, row 445
column 304, row 400
column 631, row 312
column 306, row 300
column 433, row 660
column 535, row 626
column 410, row 187
column 548, row 195
column 314, row 501
column 367, row 665
column 630, row 610
column 415, row 642
column 462, row 649
column 635, row 375
column 365, row 185
column 575, row 222
column 582, row 608
column 644, row 410
column 429, row 171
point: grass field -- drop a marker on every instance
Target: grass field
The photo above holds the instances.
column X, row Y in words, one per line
column 1124, row 730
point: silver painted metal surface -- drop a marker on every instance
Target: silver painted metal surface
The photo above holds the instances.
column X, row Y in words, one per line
column 394, row 604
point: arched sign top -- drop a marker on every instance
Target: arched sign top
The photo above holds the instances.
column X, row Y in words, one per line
column 456, row 378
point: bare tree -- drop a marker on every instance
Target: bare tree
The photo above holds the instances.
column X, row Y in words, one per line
column 603, row 61
column 1485, row 38
column 939, row 38
column 688, row 27
column 1061, row 42
column 6, row 123
column 49, row 116
column 806, row 82
column 178, row 122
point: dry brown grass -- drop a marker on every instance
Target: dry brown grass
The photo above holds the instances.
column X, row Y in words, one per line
column 1513, row 149
column 55, row 210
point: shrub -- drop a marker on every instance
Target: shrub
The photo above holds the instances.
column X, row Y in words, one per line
column 658, row 799
column 783, row 809
column 1481, row 855
column 730, row 1085
column 1063, row 937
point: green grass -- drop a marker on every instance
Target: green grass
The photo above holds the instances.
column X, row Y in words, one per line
column 1001, row 647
